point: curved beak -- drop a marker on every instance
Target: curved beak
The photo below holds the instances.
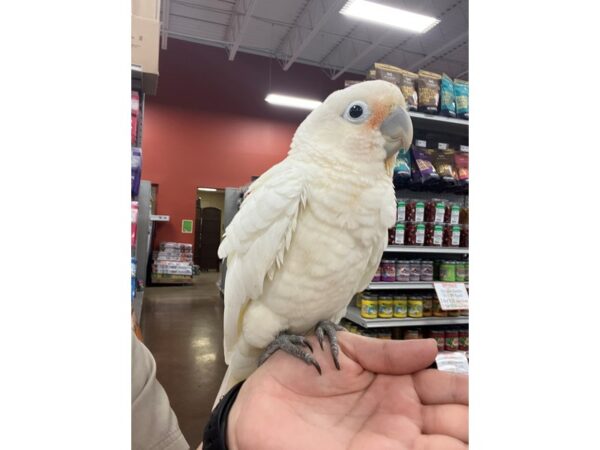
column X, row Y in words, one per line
column 397, row 130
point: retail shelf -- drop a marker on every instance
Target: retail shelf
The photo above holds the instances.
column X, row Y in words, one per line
column 421, row 249
column 440, row 123
column 353, row 315
column 404, row 285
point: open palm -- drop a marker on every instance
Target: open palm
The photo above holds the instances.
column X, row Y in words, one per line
column 382, row 398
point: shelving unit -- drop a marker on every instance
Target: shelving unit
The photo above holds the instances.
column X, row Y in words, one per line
column 440, row 123
column 429, row 250
column 353, row 314
column 405, row 285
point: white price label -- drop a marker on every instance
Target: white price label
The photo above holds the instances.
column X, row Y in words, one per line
column 420, row 143
column 452, row 295
column 452, row 362
column 442, row 146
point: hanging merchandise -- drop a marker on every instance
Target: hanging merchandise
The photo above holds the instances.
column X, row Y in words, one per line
column 133, row 279
column 461, row 94
column 447, row 103
column 136, row 170
column 134, row 218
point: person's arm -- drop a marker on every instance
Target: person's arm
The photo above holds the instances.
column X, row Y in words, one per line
column 153, row 423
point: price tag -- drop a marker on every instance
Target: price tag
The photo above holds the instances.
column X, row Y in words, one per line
column 452, row 295
column 464, row 148
column 452, row 362
column 442, row 146
column 420, row 143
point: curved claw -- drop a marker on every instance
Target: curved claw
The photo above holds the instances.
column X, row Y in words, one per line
column 329, row 329
column 319, row 334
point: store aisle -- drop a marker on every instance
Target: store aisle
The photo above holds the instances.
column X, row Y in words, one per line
column 183, row 328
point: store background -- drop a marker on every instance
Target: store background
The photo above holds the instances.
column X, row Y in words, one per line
column 71, row 331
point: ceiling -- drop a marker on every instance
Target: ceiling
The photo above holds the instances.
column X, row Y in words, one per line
column 313, row 32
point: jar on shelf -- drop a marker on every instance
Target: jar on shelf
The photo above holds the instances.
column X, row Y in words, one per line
column 435, row 210
column 391, row 235
column 451, row 340
column 388, row 270
column 434, row 233
column 437, row 309
column 410, row 233
column 463, row 339
column 464, row 312
column 402, row 271
column 439, row 337
column 411, row 333
column 385, row 308
column 367, row 296
column 377, row 276
column 463, row 217
column 427, row 306
column 415, row 306
column 453, row 313
column 415, row 270
column 464, row 236
column 426, row 270
column 451, row 236
column 400, row 307
column 419, row 210
column 399, row 233
column 410, row 210
column 368, row 307
column 466, row 270
column 401, row 204
column 460, row 271
column 452, row 213
column 448, row 271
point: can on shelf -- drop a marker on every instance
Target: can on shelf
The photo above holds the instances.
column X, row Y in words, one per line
column 402, row 270
column 385, row 307
column 388, row 270
column 439, row 337
column 426, row 271
column 368, row 308
column 448, row 271
column 415, row 307
column 415, row 270
column 427, row 306
column 451, row 340
column 460, row 271
column 400, row 307
column 437, row 309
column 377, row 276
column 463, row 339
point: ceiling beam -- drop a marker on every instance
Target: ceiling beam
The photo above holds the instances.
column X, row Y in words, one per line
column 360, row 55
column 238, row 23
column 313, row 17
column 463, row 37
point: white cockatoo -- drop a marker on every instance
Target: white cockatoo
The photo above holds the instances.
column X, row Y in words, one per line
column 312, row 229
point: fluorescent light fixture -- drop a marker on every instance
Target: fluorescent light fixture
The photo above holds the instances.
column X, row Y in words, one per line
column 207, row 189
column 293, row 102
column 394, row 17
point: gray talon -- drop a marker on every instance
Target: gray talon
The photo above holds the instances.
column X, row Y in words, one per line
column 329, row 329
column 293, row 345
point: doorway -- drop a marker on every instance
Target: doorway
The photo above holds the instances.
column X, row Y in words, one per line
column 209, row 228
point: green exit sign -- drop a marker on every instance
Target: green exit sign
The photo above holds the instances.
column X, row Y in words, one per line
column 187, row 226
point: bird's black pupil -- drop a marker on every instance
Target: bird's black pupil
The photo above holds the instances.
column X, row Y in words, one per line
column 355, row 111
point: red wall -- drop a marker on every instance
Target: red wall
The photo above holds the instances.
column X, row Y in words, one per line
column 209, row 125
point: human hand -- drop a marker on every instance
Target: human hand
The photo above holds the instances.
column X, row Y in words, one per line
column 382, row 398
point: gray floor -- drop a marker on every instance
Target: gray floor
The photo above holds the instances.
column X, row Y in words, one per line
column 183, row 328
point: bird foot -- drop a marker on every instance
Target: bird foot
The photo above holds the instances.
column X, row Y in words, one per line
column 327, row 328
column 294, row 345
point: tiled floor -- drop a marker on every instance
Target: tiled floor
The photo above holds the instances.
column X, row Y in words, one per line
column 183, row 328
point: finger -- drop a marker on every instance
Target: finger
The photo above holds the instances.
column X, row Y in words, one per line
column 387, row 356
column 438, row 442
column 435, row 387
column 449, row 420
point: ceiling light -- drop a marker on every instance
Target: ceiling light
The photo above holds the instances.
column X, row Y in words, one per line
column 394, row 17
column 207, row 189
column 294, row 102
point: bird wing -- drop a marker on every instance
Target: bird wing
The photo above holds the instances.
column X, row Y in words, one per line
column 256, row 240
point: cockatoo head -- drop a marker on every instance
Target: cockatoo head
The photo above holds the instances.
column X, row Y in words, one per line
column 365, row 121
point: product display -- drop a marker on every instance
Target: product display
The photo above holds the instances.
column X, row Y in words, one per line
column 429, row 91
column 421, row 270
column 173, row 263
column 461, row 94
column 402, row 306
column 136, row 170
column 134, row 217
column 135, row 110
column 447, row 103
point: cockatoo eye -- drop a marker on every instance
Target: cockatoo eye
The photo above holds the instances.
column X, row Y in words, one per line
column 357, row 112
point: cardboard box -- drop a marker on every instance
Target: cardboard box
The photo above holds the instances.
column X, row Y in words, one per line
column 148, row 9
column 145, row 34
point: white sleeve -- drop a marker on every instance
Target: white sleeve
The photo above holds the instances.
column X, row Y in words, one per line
column 153, row 423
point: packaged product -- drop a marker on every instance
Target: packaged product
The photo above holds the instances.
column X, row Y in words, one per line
column 461, row 95
column 136, row 170
column 408, row 86
column 424, row 170
column 402, row 169
column 447, row 103
column 461, row 163
column 350, row 82
column 443, row 161
column 134, row 217
column 429, row 91
column 371, row 74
